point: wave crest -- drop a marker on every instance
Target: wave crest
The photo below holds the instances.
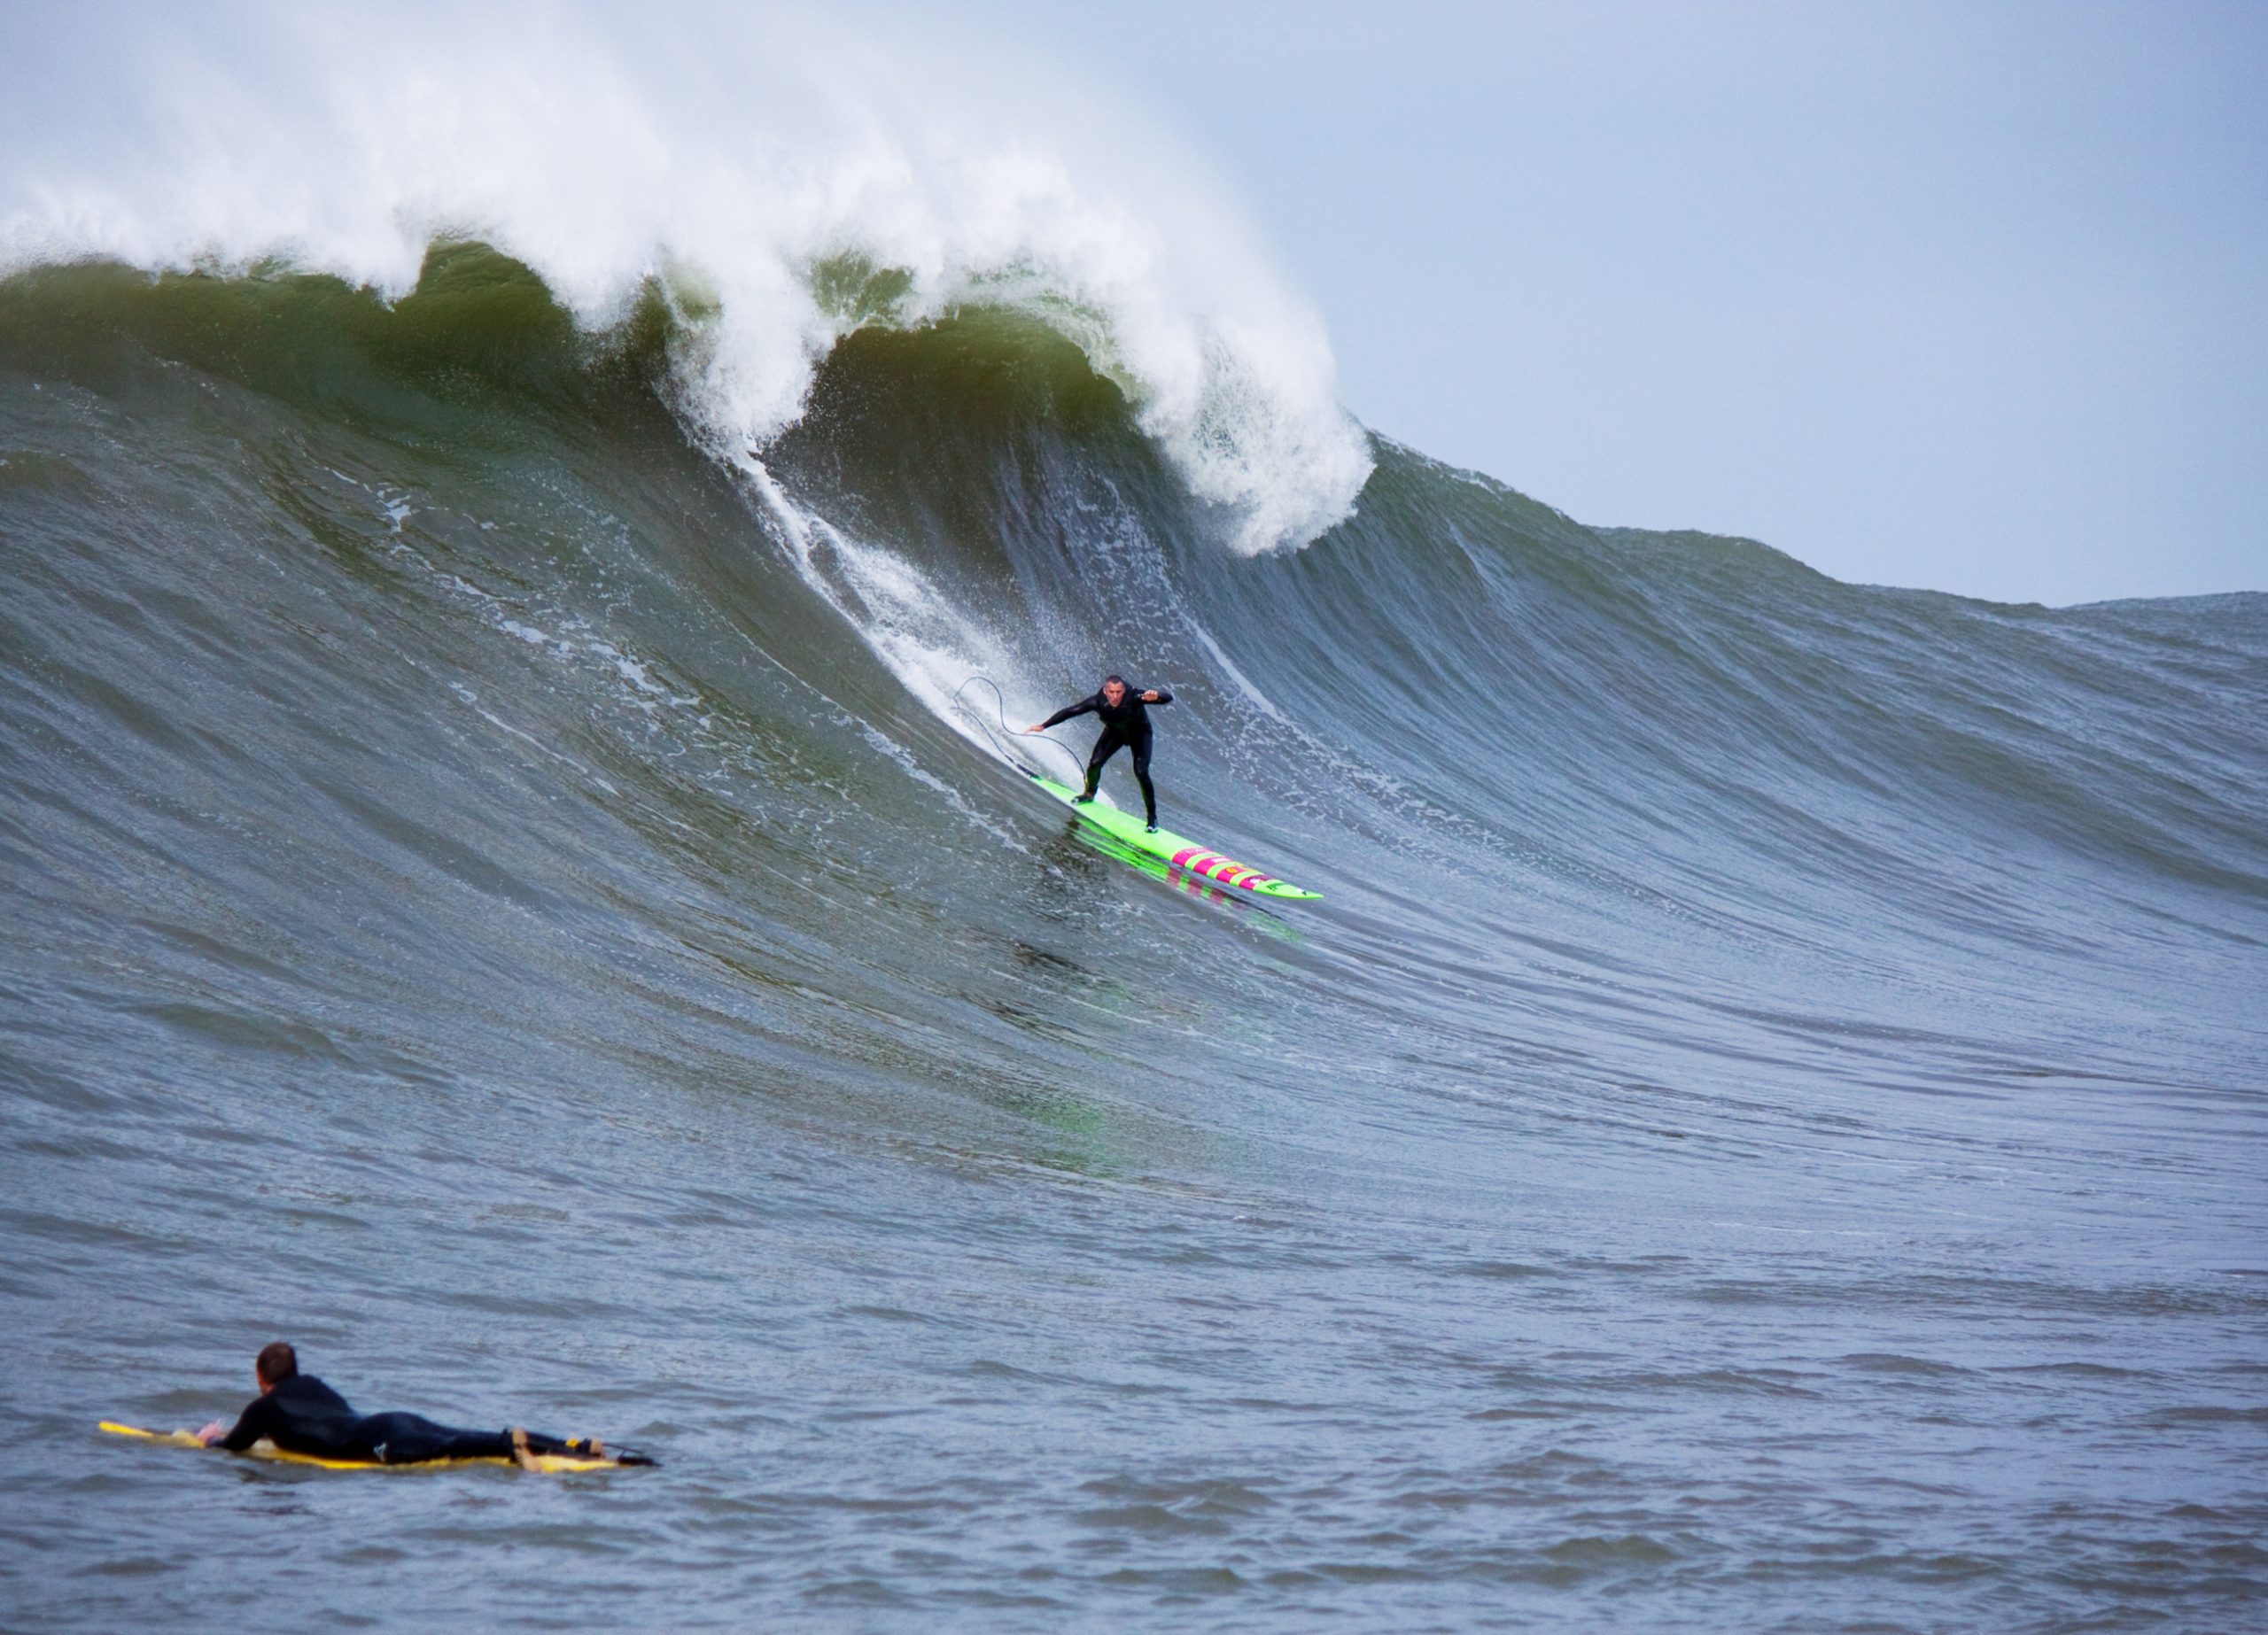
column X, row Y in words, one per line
column 782, row 182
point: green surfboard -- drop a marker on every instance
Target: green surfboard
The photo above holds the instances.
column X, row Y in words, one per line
column 1178, row 851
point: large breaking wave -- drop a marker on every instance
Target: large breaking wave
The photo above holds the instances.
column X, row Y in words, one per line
column 502, row 861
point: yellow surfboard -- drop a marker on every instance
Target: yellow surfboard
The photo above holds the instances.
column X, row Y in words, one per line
column 554, row 1464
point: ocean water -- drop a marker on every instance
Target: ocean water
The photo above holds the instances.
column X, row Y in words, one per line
column 507, row 886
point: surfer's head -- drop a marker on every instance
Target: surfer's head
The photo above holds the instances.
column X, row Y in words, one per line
column 275, row 1363
column 1114, row 689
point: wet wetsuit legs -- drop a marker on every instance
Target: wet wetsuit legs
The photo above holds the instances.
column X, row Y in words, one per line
column 413, row 1439
column 1109, row 745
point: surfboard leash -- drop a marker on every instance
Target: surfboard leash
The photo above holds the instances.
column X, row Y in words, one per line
column 1006, row 739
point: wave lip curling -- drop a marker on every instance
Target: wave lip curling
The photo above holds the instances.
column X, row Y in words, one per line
column 730, row 163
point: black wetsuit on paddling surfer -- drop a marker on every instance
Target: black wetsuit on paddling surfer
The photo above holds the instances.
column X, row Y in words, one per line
column 1125, row 726
column 300, row 1415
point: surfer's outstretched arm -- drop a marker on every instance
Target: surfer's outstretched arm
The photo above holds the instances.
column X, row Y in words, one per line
column 1085, row 707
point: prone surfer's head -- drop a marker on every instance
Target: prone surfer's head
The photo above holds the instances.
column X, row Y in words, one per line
column 1114, row 688
column 275, row 1363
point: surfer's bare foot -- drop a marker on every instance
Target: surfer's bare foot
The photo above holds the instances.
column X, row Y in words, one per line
column 522, row 1454
column 1149, row 828
column 1083, row 799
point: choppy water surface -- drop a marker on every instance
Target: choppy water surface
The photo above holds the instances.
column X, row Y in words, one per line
column 1764, row 1130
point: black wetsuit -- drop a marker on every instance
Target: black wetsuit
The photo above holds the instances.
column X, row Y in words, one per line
column 304, row 1416
column 1125, row 725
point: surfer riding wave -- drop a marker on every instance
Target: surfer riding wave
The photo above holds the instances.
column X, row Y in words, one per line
column 1125, row 726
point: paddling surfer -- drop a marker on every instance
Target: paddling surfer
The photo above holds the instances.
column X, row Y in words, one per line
column 1125, row 726
column 298, row 1414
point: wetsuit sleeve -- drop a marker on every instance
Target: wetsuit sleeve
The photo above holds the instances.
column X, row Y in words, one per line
column 257, row 1421
column 1085, row 707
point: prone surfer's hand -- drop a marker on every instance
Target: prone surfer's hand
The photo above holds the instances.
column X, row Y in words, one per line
column 1030, row 730
column 1150, row 697
column 212, row 1433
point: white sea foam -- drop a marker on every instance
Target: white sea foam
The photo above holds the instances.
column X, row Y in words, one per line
column 930, row 645
column 722, row 153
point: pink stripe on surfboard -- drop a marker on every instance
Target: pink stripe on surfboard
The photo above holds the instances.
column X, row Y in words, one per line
column 1197, row 860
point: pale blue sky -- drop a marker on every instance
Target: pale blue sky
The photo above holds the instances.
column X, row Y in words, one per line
column 1972, row 296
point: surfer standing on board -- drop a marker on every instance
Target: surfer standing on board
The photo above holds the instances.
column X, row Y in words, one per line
column 1125, row 725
